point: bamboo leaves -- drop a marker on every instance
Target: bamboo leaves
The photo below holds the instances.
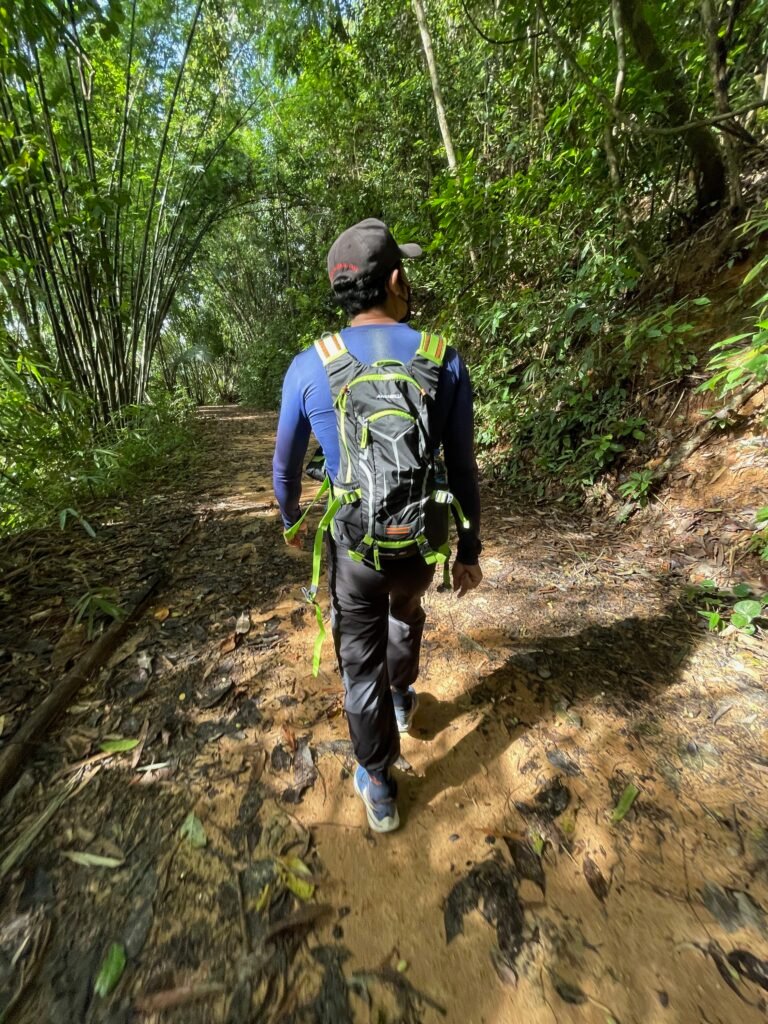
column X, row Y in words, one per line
column 108, row 161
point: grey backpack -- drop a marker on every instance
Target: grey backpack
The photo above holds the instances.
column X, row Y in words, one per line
column 388, row 499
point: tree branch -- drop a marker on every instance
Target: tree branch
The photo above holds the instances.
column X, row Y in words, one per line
column 492, row 39
column 705, row 122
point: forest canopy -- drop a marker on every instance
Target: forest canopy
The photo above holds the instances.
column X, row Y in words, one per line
column 173, row 173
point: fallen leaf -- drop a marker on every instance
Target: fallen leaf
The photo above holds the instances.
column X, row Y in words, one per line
column 129, row 647
column 171, row 998
column 140, row 745
column 162, row 614
column 243, row 624
column 732, row 908
column 69, row 644
column 290, row 738
column 550, row 801
column 261, row 617
column 627, row 799
column 563, row 762
column 111, row 970
column 595, row 879
column 526, row 861
column 92, row 860
column 750, row 966
column 216, row 692
column 118, row 746
column 294, row 876
column 568, row 992
column 192, row 830
column 729, row 975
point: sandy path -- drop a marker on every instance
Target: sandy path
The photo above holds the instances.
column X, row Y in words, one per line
column 578, row 659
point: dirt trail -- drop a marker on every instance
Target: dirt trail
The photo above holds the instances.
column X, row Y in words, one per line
column 579, row 660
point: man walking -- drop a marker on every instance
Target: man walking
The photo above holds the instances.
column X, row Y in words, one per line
column 377, row 585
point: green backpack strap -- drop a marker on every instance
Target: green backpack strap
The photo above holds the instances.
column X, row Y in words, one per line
column 335, row 502
column 338, row 362
column 432, row 347
column 426, row 363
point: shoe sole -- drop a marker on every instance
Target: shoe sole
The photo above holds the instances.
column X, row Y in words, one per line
column 409, row 721
column 377, row 824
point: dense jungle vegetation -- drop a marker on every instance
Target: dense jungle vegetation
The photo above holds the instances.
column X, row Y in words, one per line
column 174, row 171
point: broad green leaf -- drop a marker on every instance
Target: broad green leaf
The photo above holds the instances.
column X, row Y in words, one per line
column 111, row 970
column 118, row 746
column 192, row 830
column 627, row 799
column 714, row 619
column 750, row 609
column 740, row 621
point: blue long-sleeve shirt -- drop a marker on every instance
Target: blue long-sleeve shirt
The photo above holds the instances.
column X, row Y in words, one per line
column 307, row 407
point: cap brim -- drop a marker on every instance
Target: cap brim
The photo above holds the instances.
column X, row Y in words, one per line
column 411, row 250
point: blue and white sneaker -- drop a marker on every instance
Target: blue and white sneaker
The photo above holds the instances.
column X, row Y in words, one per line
column 379, row 794
column 405, row 708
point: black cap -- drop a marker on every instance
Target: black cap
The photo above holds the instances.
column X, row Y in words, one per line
column 367, row 248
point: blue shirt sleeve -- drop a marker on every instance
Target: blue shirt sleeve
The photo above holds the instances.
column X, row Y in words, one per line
column 293, row 430
column 460, row 462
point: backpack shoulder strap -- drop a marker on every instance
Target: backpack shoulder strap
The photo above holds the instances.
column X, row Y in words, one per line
column 425, row 365
column 339, row 364
column 330, row 347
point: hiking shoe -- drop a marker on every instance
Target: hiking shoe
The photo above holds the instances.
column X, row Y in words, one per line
column 379, row 794
column 406, row 709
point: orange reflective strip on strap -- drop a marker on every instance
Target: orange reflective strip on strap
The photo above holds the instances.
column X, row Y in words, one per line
column 432, row 347
column 323, row 351
column 330, row 347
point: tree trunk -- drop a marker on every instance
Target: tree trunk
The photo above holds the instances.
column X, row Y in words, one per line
column 718, row 57
column 442, row 120
column 608, row 141
column 701, row 142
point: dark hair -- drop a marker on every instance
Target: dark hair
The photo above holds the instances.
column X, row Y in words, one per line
column 361, row 293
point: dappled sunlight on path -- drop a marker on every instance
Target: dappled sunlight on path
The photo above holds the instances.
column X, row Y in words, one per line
column 578, row 660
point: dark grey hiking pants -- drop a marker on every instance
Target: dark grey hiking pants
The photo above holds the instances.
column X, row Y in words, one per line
column 377, row 623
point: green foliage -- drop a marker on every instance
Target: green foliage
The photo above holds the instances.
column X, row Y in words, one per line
column 637, row 486
column 742, row 358
column 738, row 607
column 173, row 175
column 94, row 606
column 759, row 542
column 53, row 458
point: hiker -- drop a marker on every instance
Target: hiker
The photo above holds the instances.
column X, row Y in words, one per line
column 380, row 398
